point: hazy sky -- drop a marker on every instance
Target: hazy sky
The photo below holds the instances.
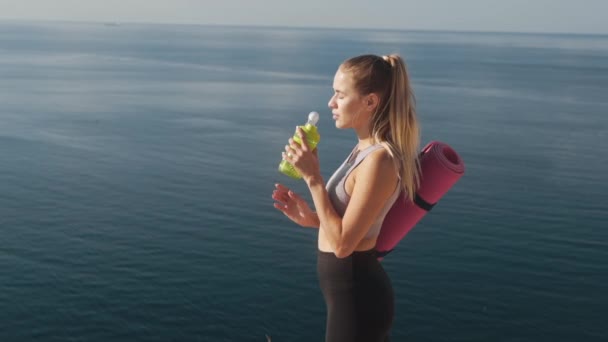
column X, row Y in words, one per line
column 565, row 16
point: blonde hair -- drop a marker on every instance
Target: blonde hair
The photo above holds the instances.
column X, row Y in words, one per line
column 394, row 121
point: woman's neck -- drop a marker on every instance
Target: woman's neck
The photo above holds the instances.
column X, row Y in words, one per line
column 364, row 143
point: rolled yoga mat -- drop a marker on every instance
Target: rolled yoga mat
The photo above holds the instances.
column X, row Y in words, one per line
column 441, row 167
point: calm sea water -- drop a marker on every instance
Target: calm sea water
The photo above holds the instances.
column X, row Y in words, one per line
column 137, row 164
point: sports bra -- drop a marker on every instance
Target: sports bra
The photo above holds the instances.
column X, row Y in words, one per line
column 339, row 198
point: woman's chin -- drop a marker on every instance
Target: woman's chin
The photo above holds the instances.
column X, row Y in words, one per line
column 340, row 125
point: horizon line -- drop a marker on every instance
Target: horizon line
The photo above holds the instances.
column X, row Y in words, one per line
column 296, row 27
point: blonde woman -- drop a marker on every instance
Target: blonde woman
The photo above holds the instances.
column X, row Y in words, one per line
column 373, row 97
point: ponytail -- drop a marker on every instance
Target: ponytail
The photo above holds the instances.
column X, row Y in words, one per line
column 394, row 122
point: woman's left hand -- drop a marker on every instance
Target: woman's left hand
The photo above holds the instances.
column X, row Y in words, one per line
column 301, row 157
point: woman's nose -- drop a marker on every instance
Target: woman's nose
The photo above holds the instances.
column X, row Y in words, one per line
column 331, row 102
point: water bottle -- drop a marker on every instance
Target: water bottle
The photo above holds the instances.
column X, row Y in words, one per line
column 312, row 138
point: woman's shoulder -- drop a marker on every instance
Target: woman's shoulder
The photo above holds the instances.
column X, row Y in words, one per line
column 382, row 160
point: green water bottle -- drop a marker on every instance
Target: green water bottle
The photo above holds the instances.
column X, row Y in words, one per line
column 312, row 138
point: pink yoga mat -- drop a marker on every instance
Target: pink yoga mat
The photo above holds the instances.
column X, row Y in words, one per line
column 441, row 167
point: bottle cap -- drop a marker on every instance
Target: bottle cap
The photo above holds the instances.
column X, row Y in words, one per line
column 313, row 118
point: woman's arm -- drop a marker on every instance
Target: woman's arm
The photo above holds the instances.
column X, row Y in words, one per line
column 374, row 183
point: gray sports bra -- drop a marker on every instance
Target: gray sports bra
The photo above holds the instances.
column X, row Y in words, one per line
column 339, row 198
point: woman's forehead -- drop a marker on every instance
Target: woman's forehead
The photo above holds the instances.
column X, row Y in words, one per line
column 342, row 80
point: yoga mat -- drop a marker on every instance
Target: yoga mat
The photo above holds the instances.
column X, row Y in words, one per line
column 441, row 167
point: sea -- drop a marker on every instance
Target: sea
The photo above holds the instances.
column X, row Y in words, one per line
column 137, row 163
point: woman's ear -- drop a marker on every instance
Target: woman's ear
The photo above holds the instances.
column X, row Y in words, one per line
column 372, row 102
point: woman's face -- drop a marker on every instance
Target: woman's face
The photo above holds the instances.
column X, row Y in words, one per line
column 347, row 105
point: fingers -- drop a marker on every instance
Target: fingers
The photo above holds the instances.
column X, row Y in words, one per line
column 280, row 207
column 280, row 197
column 281, row 187
column 285, row 196
column 293, row 148
column 297, row 148
column 281, row 194
column 290, row 149
column 300, row 133
column 293, row 195
column 286, row 201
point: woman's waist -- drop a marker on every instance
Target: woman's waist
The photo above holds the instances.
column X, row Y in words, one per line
column 363, row 246
column 358, row 265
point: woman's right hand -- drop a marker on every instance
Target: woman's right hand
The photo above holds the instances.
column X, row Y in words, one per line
column 294, row 207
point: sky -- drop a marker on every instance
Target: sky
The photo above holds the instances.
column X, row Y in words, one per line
column 546, row 16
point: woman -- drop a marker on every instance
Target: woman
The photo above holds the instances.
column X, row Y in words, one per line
column 372, row 96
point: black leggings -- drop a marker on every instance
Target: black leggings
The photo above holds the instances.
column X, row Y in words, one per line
column 359, row 297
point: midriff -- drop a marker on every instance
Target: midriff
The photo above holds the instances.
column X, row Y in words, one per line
column 325, row 246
